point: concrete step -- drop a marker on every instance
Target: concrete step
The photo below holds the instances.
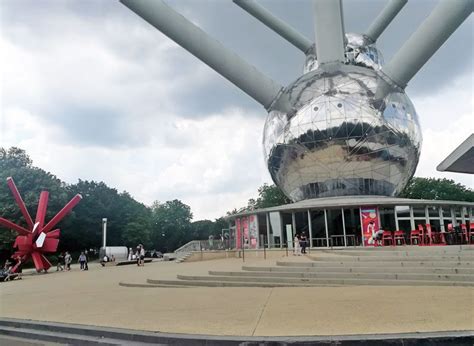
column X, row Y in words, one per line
column 379, row 263
column 248, row 283
column 393, row 258
column 146, row 285
column 402, row 253
column 326, row 281
column 341, row 269
column 376, row 275
column 64, row 338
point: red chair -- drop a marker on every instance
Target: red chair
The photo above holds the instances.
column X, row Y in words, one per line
column 399, row 235
column 387, row 236
column 415, row 234
column 471, row 232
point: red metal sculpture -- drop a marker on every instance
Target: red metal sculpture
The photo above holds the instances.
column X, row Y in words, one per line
column 38, row 238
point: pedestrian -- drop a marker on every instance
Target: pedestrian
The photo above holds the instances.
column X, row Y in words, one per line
column 296, row 245
column 137, row 255
column 87, row 260
column 59, row 266
column 304, row 243
column 142, row 255
column 82, row 260
column 67, row 261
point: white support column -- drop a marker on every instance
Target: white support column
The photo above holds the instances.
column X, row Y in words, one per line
column 210, row 51
column 384, row 18
column 282, row 230
column 329, row 31
column 396, row 218
column 293, row 223
column 258, row 231
column 268, row 229
column 412, row 219
column 361, row 228
column 276, row 24
column 310, row 227
column 344, row 227
column 427, row 215
column 445, row 18
column 104, row 232
column 326, row 226
column 441, row 218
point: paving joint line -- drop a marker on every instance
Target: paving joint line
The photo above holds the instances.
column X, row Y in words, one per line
column 261, row 312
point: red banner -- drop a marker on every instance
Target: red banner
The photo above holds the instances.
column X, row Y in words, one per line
column 370, row 222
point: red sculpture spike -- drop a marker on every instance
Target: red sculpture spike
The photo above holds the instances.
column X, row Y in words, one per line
column 38, row 239
column 19, row 202
column 13, row 226
column 67, row 208
column 53, row 234
column 41, row 213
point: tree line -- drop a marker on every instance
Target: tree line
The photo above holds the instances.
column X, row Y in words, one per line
column 163, row 226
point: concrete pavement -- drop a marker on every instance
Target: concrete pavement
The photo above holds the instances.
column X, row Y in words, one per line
column 95, row 298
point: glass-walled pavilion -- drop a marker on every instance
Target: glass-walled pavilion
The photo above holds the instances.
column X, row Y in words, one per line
column 338, row 221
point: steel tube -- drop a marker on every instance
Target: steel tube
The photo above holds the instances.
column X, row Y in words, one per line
column 276, row 24
column 19, row 202
column 41, row 211
column 445, row 18
column 231, row 66
column 329, row 30
column 384, row 18
column 62, row 213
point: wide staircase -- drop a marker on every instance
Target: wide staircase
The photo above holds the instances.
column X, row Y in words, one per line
column 410, row 266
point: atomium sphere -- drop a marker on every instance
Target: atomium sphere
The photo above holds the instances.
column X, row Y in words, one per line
column 359, row 51
column 339, row 139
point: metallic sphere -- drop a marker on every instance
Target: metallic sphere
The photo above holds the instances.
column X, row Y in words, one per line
column 339, row 139
column 360, row 51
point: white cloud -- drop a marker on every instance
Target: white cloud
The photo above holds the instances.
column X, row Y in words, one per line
column 97, row 96
column 446, row 120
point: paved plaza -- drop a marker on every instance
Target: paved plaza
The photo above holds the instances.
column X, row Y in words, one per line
column 94, row 297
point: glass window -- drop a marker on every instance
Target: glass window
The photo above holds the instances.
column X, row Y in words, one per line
column 335, row 226
column 433, row 212
column 387, row 219
column 319, row 227
column 403, row 210
column 404, row 225
column 419, row 211
column 446, row 211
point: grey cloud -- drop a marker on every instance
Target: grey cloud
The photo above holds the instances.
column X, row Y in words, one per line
column 156, row 82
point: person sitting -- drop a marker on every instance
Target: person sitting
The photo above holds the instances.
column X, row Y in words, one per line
column 377, row 237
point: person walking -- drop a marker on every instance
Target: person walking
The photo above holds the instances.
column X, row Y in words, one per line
column 296, row 246
column 86, row 265
column 59, row 266
column 142, row 255
column 82, row 260
column 68, row 261
column 304, row 243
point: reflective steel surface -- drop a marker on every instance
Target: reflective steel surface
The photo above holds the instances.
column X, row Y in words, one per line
column 360, row 51
column 339, row 140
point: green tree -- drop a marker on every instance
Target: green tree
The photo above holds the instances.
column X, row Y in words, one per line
column 437, row 189
column 171, row 223
column 30, row 181
column 269, row 196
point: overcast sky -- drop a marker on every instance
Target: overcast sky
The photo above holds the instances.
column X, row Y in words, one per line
column 93, row 92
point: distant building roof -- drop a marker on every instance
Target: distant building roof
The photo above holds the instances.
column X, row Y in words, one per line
column 461, row 160
column 349, row 201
